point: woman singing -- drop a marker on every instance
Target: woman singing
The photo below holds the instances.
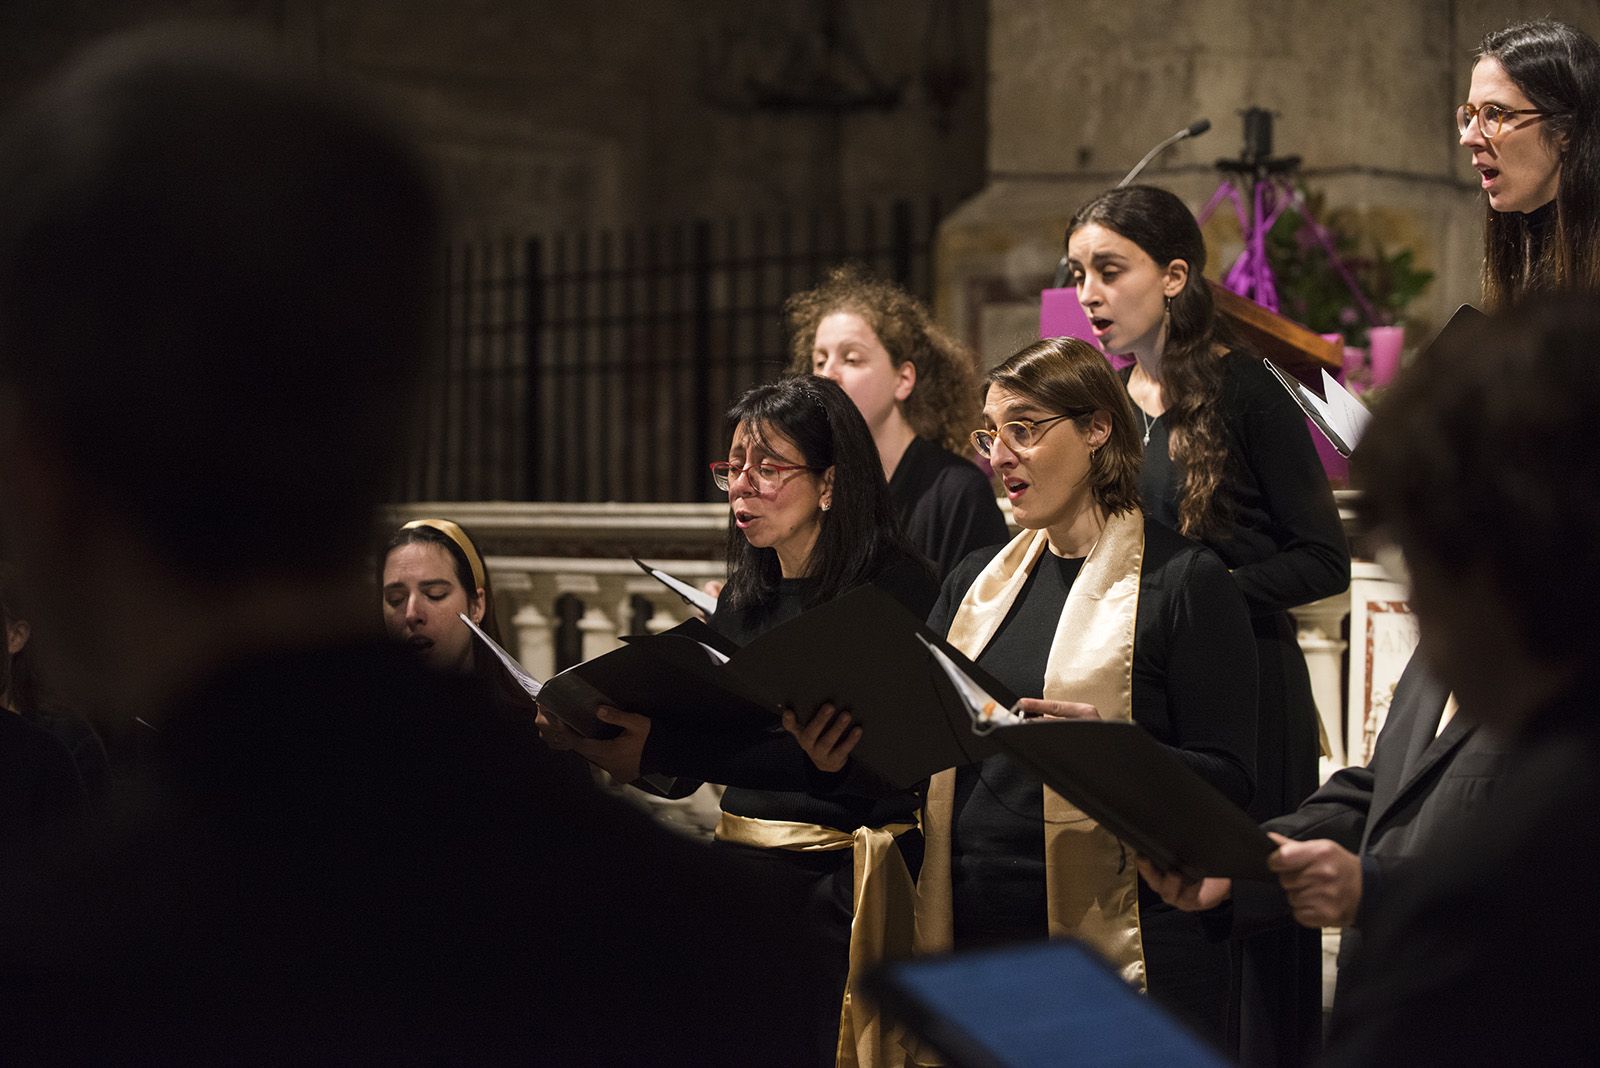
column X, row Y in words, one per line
column 1096, row 611
column 1229, row 462
column 810, row 518
column 1532, row 124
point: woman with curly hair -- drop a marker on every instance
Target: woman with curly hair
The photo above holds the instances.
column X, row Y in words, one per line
column 917, row 390
column 1228, row 462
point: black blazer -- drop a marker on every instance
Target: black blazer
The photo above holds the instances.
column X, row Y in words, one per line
column 1486, row 953
column 1388, row 811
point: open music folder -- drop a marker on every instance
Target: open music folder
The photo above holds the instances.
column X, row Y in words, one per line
column 1125, row 780
column 1337, row 413
column 863, row 651
column 692, row 596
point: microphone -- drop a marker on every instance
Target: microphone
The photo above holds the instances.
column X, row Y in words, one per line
column 1194, row 129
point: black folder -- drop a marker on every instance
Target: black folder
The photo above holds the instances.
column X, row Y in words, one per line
column 1040, row 1004
column 673, row 677
column 860, row 651
column 1134, row 787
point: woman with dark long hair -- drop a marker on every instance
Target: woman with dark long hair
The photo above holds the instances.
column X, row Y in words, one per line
column 916, row 387
column 1229, row 462
column 809, row 518
column 1532, row 124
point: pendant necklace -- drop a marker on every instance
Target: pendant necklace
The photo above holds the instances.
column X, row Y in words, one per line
column 1149, row 423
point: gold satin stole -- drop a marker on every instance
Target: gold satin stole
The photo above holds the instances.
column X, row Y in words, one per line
column 1092, row 886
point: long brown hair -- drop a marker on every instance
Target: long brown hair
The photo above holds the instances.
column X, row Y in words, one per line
column 16, row 672
column 1191, row 375
column 943, row 404
column 1067, row 375
column 1557, row 67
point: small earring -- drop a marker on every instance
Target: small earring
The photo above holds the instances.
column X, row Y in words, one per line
column 826, row 505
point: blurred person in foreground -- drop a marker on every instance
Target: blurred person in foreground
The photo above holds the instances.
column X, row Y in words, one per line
column 1480, row 466
column 214, row 299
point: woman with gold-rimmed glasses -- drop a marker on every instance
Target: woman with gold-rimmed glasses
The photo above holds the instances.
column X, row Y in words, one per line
column 810, row 518
column 1092, row 611
column 1532, row 124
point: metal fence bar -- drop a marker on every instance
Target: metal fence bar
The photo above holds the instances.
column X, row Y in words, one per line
column 597, row 365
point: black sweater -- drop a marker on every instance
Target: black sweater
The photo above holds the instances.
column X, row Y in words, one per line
column 1284, row 544
column 945, row 505
column 1194, row 689
column 768, row 775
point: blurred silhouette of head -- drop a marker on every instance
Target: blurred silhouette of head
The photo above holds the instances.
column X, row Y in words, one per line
column 215, row 285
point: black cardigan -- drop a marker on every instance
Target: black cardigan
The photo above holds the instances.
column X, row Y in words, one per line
column 1194, row 689
column 945, row 505
column 1284, row 543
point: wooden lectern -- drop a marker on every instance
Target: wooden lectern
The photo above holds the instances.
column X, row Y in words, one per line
column 1264, row 333
column 1283, row 341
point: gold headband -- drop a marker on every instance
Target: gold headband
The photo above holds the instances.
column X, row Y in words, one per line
column 464, row 543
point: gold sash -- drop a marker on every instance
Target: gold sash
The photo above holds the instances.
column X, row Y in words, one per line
column 885, row 900
column 1092, row 887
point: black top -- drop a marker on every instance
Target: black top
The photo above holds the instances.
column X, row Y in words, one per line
column 1539, row 276
column 41, row 799
column 1285, row 544
column 340, row 856
column 88, row 752
column 768, row 775
column 945, row 505
column 1194, row 689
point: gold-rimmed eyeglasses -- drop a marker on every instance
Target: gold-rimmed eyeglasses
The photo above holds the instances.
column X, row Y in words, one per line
column 1019, row 433
column 1491, row 117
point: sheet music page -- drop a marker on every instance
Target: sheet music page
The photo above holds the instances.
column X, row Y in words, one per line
column 529, row 684
column 1352, row 416
column 986, row 712
column 694, row 595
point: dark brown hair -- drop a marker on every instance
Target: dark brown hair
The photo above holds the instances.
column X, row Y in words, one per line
column 1557, row 67
column 944, row 403
column 485, row 664
column 1066, row 375
column 16, row 672
column 1191, row 375
column 859, row 533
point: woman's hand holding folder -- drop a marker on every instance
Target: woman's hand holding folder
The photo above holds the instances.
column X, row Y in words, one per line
column 618, row 757
column 827, row 739
column 1182, row 892
column 1034, row 707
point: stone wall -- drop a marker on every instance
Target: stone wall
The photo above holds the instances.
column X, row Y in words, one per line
column 565, row 114
column 1363, row 90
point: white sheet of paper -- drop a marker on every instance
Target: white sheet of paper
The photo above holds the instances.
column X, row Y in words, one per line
column 525, row 680
column 986, row 712
column 1343, row 411
column 693, row 594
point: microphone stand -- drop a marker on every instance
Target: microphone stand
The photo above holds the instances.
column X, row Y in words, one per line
column 1194, row 129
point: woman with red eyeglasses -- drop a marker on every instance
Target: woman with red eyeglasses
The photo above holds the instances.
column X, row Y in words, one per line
column 810, row 518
